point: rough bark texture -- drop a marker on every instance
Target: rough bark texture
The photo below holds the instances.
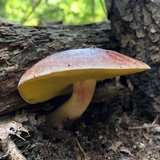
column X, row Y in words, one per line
column 136, row 24
column 21, row 47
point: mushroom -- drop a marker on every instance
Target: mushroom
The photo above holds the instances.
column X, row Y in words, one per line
column 80, row 68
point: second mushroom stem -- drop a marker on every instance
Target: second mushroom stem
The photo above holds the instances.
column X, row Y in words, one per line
column 81, row 97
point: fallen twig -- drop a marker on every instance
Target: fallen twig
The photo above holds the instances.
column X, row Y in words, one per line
column 81, row 149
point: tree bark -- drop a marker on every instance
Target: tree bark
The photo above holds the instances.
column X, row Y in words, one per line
column 21, row 47
column 136, row 25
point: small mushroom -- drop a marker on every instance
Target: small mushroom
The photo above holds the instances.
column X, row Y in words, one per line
column 80, row 68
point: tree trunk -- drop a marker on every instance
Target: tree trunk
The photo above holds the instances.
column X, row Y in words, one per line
column 136, row 25
column 21, row 47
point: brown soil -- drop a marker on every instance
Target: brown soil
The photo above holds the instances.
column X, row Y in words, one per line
column 103, row 132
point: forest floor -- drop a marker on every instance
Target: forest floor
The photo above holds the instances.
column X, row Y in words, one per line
column 104, row 132
column 99, row 135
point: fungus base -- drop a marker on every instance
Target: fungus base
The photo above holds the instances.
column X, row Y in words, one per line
column 75, row 106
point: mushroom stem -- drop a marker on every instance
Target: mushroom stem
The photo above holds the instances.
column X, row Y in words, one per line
column 81, row 97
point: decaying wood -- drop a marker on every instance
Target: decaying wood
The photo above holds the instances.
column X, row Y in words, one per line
column 21, row 47
column 11, row 150
column 8, row 126
column 136, row 24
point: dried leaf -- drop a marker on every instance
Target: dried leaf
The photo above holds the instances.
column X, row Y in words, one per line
column 125, row 150
column 115, row 146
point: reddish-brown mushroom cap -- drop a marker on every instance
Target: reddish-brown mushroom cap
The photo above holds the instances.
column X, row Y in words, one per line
column 51, row 76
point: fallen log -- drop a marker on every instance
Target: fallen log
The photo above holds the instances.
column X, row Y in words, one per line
column 21, row 47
